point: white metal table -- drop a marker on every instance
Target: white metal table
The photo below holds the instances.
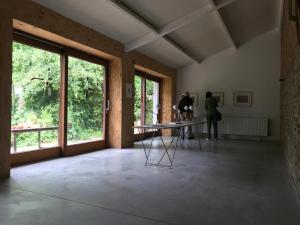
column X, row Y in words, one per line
column 177, row 127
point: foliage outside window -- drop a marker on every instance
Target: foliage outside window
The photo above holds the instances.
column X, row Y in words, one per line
column 85, row 101
column 146, row 101
column 36, row 99
column 151, row 102
column 137, row 102
column 35, row 96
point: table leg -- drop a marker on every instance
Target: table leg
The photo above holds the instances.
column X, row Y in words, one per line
column 199, row 138
column 147, row 153
column 200, row 146
column 181, row 133
column 166, row 149
column 39, row 139
column 144, row 147
column 178, row 138
column 15, row 142
column 150, row 148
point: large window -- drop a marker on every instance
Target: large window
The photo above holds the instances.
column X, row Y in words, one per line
column 35, row 98
column 152, row 105
column 85, row 101
column 137, row 102
column 146, row 100
column 49, row 82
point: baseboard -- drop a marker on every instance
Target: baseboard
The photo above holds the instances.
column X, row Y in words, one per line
column 240, row 137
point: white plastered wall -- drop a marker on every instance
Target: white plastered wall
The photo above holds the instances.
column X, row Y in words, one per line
column 254, row 67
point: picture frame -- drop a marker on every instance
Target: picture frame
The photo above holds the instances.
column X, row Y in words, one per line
column 194, row 96
column 219, row 96
column 242, row 98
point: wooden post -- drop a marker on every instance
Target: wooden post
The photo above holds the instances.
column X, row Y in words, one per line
column 143, row 103
column 63, row 119
column 58, row 136
column 5, row 86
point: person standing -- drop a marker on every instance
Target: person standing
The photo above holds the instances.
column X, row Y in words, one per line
column 185, row 108
column 211, row 114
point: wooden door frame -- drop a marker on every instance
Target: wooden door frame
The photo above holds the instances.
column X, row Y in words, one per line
column 145, row 76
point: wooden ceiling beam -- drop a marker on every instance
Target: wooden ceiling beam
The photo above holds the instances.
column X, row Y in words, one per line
column 168, row 28
column 221, row 21
column 162, row 32
column 153, row 29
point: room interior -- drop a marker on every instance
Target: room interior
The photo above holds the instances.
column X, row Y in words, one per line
column 80, row 81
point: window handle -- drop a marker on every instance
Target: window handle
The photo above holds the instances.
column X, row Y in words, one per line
column 107, row 105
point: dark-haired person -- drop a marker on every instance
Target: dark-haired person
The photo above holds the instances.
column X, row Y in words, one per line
column 185, row 108
column 211, row 114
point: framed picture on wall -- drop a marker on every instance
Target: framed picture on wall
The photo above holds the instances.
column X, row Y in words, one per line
column 194, row 96
column 219, row 96
column 242, row 98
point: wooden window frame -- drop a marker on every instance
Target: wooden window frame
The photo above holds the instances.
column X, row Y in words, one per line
column 63, row 148
column 145, row 76
column 37, row 42
column 74, row 148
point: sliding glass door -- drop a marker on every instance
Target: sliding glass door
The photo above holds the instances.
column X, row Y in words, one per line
column 138, row 116
column 86, row 96
column 35, row 98
column 152, row 105
column 58, row 97
column 146, row 100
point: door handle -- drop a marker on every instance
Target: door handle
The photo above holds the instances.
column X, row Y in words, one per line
column 107, row 106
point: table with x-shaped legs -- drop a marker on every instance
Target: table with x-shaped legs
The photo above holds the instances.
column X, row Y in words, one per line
column 175, row 140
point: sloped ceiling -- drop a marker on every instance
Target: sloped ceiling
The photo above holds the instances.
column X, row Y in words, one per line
column 174, row 32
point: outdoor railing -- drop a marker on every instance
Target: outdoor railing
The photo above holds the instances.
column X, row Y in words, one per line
column 17, row 131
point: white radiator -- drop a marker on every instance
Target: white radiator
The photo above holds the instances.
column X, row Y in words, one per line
column 242, row 126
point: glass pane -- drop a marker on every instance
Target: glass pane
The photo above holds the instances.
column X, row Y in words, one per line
column 85, row 101
column 35, row 98
column 137, row 102
column 151, row 102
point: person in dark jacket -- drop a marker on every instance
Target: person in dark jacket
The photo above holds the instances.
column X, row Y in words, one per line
column 211, row 114
column 185, row 108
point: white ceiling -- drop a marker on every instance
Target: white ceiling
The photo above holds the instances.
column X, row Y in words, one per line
column 174, row 32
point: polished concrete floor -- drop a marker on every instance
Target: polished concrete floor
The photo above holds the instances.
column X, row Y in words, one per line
column 224, row 183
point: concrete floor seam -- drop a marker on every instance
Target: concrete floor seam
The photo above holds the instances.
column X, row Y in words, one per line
column 96, row 206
